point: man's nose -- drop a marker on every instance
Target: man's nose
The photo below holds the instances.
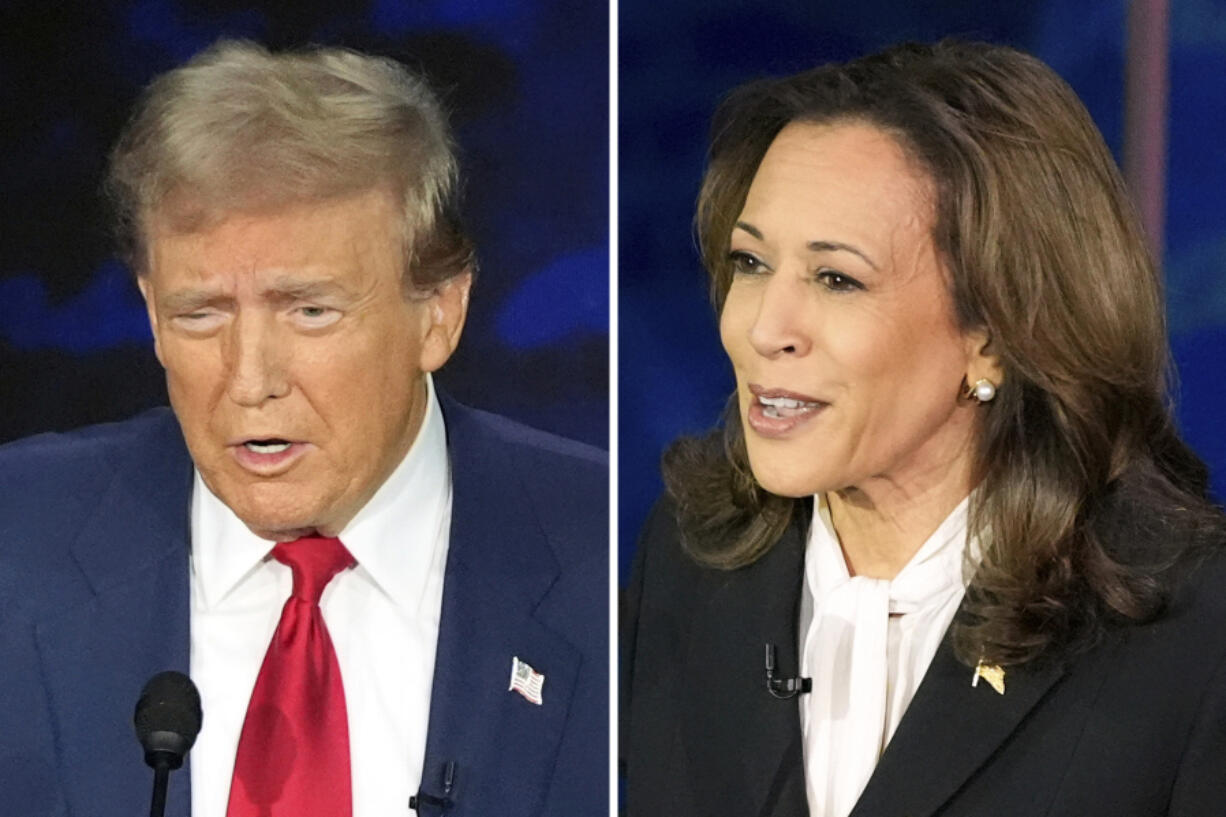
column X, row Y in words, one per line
column 256, row 364
column 779, row 325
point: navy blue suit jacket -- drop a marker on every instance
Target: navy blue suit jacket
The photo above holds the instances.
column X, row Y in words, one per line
column 94, row 600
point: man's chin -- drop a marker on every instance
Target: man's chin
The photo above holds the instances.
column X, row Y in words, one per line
column 287, row 529
column 281, row 526
column 286, row 535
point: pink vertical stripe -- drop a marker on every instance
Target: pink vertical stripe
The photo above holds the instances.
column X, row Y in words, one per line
column 1147, row 79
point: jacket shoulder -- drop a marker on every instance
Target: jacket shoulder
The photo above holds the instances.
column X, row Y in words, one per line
column 565, row 482
column 55, row 486
column 531, row 442
column 49, row 480
column 69, row 451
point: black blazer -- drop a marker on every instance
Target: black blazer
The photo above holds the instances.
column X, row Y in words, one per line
column 1134, row 727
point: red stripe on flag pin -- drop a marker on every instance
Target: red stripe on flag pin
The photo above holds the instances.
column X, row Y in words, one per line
column 526, row 681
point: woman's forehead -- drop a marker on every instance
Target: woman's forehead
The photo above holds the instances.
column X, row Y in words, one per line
column 839, row 183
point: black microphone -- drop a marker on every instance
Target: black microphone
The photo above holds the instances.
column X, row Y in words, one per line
column 167, row 721
column 783, row 688
column 443, row 803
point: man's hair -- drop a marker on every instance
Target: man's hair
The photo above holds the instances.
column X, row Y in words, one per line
column 1045, row 254
column 241, row 129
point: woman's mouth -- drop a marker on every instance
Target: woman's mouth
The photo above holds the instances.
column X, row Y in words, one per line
column 777, row 412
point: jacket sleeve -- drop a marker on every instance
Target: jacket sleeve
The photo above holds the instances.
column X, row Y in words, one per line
column 629, row 603
column 29, row 784
column 1200, row 785
column 656, row 608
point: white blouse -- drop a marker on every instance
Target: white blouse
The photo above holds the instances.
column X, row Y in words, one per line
column 867, row 643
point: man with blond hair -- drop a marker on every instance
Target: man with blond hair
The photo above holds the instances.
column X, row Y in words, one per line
column 388, row 601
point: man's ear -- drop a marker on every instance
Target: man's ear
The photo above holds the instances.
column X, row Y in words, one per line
column 146, row 292
column 447, row 306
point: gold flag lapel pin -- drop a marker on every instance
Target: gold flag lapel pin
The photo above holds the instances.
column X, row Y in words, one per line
column 992, row 673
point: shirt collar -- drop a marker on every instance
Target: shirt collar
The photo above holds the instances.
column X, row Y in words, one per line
column 396, row 538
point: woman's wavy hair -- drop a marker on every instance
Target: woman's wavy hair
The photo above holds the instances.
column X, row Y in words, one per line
column 1043, row 251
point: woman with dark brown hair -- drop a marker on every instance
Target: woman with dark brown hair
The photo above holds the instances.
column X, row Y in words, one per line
column 947, row 554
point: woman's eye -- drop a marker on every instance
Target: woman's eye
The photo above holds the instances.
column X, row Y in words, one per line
column 745, row 264
column 837, row 281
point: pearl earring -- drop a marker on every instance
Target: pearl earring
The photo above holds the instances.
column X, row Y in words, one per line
column 984, row 390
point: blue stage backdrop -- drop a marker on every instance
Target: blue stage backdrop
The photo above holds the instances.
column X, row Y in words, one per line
column 527, row 85
column 678, row 59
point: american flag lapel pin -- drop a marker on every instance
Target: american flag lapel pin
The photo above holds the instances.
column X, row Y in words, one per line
column 526, row 681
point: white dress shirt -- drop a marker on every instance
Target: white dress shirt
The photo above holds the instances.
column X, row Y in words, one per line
column 382, row 615
column 867, row 643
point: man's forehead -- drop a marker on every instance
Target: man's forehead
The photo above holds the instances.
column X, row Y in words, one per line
column 308, row 226
column 200, row 205
column 307, row 244
column 317, row 281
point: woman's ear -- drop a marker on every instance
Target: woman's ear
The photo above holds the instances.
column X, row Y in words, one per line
column 983, row 362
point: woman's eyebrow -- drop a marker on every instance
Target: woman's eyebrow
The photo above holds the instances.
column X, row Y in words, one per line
column 831, row 246
column 749, row 228
column 820, row 245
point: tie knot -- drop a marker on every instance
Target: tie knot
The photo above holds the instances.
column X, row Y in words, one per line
column 314, row 560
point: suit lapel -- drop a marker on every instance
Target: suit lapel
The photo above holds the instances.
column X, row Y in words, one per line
column 949, row 730
column 132, row 623
column 747, row 760
column 500, row 748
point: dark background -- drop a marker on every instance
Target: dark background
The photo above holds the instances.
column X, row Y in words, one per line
column 678, row 58
column 527, row 85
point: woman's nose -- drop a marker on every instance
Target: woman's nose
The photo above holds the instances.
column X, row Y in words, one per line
column 779, row 326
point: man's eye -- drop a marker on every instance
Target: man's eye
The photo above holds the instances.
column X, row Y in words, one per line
column 837, row 281
column 745, row 264
column 199, row 321
column 316, row 316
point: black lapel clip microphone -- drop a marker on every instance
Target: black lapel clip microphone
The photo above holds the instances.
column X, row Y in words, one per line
column 783, row 688
column 443, row 804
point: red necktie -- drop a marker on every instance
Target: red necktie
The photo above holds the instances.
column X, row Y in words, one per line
column 293, row 754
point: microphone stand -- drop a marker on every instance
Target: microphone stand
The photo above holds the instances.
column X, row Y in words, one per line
column 163, row 764
column 161, row 777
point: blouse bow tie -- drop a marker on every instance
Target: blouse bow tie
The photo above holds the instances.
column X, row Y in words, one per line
column 864, row 667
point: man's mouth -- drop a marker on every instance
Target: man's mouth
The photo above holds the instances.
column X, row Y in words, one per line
column 267, row 456
column 273, row 446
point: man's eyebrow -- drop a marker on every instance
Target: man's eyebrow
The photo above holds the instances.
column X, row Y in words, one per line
column 284, row 289
column 302, row 289
column 816, row 246
column 186, row 300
